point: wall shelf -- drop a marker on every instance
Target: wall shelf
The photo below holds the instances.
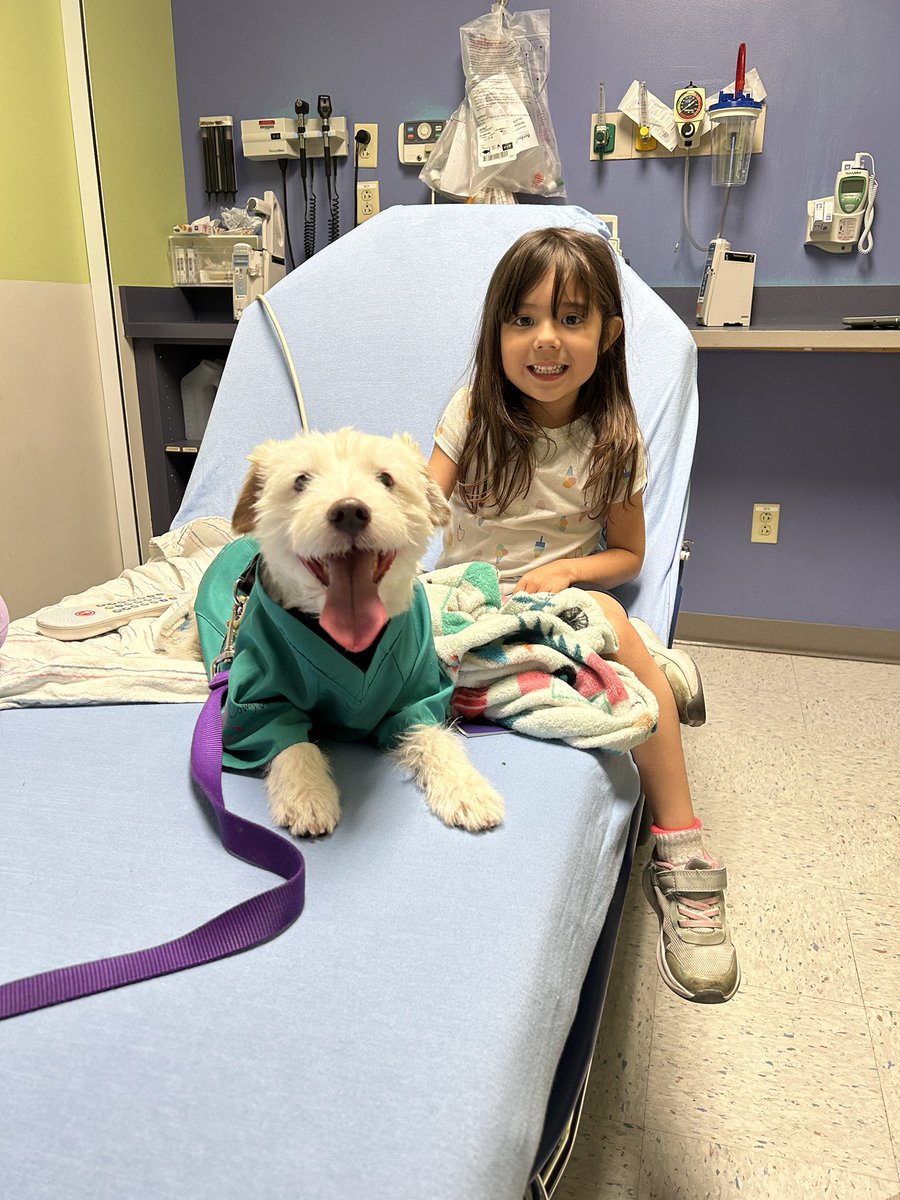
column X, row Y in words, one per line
column 797, row 319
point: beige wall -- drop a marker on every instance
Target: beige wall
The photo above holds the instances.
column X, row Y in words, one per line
column 65, row 502
column 58, row 524
column 58, row 531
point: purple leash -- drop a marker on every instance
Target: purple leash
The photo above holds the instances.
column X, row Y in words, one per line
column 247, row 924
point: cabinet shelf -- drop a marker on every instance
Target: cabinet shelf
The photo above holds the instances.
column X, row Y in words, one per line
column 171, row 330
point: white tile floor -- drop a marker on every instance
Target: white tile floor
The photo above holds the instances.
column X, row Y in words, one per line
column 791, row 1090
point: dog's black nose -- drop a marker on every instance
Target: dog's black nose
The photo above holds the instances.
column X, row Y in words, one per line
column 349, row 516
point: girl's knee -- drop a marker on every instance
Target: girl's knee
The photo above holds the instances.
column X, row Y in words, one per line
column 630, row 644
column 612, row 610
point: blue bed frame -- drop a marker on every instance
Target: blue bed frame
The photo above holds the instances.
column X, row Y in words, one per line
column 426, row 1026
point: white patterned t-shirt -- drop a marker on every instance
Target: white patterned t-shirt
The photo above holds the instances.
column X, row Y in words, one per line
column 551, row 522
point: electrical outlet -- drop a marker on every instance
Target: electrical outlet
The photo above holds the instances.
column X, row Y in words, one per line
column 765, row 523
column 368, row 154
column 367, row 200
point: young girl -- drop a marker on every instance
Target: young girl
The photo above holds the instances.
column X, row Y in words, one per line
column 538, row 456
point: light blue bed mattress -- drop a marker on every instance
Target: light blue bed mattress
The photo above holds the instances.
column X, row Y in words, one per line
column 402, row 1037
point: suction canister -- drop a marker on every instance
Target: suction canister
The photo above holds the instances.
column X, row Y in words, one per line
column 734, row 116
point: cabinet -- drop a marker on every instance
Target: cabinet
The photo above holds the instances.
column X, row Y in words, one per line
column 171, row 330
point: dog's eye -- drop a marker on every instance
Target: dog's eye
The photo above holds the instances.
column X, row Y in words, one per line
column 301, row 481
column 387, row 480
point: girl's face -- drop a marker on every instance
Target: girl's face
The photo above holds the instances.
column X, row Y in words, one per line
column 547, row 355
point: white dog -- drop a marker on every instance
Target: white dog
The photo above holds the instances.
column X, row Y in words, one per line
column 342, row 521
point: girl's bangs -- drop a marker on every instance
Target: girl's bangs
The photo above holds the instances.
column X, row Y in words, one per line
column 568, row 280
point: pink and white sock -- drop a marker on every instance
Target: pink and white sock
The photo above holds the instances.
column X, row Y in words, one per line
column 678, row 846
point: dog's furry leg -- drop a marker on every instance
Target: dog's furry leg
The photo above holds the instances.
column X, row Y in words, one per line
column 453, row 788
column 302, row 794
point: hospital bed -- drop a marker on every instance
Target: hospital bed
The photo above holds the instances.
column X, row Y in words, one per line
column 425, row 1027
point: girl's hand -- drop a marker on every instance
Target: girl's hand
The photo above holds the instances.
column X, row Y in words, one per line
column 551, row 577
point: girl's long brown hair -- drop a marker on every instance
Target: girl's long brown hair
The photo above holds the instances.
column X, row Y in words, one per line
column 499, row 454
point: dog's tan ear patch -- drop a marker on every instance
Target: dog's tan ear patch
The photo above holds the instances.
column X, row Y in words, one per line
column 244, row 517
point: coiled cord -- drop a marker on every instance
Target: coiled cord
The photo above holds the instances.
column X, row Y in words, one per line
column 334, row 219
column 867, row 241
column 309, row 216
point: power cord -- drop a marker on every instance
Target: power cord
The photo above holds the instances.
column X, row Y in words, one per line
column 867, row 241
column 289, row 362
column 282, row 163
column 301, row 108
column 334, row 215
column 361, row 138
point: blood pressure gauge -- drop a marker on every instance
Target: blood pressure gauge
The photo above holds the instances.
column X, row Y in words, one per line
column 689, row 105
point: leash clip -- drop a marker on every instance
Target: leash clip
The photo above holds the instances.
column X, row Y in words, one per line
column 242, row 590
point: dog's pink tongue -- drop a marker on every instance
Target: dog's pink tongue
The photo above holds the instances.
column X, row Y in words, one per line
column 353, row 614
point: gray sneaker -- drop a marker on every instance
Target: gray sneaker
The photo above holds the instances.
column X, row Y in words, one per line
column 681, row 672
column 694, row 953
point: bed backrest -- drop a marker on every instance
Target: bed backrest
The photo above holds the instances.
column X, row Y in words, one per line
column 381, row 327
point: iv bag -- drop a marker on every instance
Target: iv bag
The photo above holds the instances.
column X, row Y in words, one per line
column 501, row 135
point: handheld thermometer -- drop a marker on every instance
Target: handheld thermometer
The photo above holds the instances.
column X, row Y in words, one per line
column 851, row 188
column 240, row 265
column 838, row 222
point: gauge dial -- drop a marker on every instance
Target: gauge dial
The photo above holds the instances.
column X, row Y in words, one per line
column 689, row 105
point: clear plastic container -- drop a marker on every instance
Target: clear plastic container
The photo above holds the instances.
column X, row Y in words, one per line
column 733, row 128
column 198, row 392
column 204, row 260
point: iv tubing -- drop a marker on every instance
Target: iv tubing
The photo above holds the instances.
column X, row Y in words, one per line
column 721, row 232
column 684, row 204
column 728, row 185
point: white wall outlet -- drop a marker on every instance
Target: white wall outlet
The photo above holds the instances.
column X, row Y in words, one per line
column 367, row 200
column 765, row 523
column 367, row 154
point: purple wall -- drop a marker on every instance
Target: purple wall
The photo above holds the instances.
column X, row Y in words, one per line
column 816, row 433
column 829, row 69
column 820, row 435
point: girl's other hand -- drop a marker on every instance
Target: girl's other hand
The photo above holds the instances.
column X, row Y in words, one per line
column 551, row 577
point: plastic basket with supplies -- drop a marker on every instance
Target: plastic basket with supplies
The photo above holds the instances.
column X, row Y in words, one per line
column 204, row 259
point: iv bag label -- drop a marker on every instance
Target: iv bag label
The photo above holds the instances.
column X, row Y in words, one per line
column 504, row 128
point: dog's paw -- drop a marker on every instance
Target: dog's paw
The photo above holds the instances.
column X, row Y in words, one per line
column 302, row 794
column 453, row 788
column 469, row 802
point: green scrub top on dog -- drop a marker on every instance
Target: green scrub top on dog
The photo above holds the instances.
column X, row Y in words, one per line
column 287, row 683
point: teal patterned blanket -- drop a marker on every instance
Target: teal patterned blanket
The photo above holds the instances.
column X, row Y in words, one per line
column 535, row 663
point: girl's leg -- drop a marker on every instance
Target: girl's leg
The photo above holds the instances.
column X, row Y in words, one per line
column 684, row 885
column 660, row 759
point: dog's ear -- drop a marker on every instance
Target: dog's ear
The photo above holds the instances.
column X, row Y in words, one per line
column 244, row 518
